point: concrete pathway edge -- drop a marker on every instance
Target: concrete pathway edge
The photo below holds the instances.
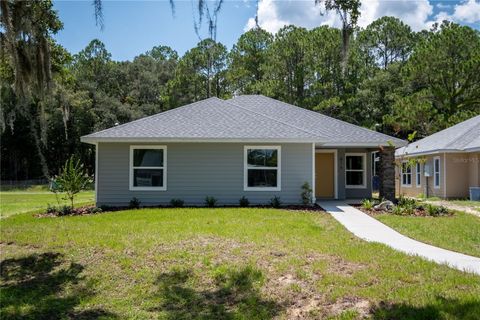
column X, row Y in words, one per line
column 372, row 230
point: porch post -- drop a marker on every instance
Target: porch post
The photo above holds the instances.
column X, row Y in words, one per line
column 387, row 173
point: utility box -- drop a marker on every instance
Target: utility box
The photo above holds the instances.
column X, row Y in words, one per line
column 475, row 193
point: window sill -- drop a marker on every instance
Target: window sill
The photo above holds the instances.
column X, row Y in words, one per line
column 261, row 189
column 355, row 187
column 148, row 188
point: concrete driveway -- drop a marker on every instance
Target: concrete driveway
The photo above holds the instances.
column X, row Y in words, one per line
column 370, row 229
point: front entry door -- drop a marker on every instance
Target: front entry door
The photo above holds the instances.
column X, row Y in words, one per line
column 324, row 175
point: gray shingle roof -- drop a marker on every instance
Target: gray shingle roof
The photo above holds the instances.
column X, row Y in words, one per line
column 332, row 131
column 245, row 118
column 212, row 118
column 464, row 136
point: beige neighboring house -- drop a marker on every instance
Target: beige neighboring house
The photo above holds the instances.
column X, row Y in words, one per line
column 450, row 163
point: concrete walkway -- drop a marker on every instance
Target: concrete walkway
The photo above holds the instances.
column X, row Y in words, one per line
column 370, row 229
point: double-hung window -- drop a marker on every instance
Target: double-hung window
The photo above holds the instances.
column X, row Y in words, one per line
column 436, row 172
column 148, row 168
column 418, row 173
column 262, row 168
column 355, row 170
column 406, row 174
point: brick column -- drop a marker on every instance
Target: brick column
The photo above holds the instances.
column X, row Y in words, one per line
column 387, row 173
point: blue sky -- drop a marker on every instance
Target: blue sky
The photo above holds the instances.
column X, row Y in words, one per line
column 133, row 27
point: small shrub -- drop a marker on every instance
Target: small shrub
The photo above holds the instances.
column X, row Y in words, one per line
column 51, row 209
column 409, row 209
column 65, row 210
column 106, row 207
column 134, row 203
column 306, row 193
column 403, row 201
column 177, row 203
column 95, row 210
column 367, row 204
column 421, row 196
column 244, row 202
column 436, row 211
column 210, row 202
column 275, row 202
column 397, row 210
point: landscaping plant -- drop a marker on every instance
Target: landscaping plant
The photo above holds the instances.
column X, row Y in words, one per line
column 275, row 202
column 72, row 179
column 367, row 204
column 210, row 202
column 177, row 203
column 243, row 202
column 306, row 193
column 134, row 203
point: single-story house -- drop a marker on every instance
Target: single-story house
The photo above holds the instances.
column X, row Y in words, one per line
column 447, row 162
column 250, row 146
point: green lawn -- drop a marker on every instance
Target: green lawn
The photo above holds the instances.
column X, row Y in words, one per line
column 222, row 263
column 467, row 203
column 460, row 232
column 13, row 202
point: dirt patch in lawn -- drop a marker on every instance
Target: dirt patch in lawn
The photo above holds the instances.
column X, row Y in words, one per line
column 289, row 278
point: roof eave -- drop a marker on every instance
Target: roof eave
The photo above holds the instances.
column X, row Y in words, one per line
column 95, row 140
column 425, row 153
column 364, row 144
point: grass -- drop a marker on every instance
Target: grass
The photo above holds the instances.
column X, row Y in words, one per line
column 14, row 202
column 460, row 232
column 475, row 205
column 221, row 263
column 467, row 203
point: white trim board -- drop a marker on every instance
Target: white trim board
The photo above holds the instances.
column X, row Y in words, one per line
column 439, row 172
column 164, row 168
column 364, row 162
column 278, row 168
column 402, row 173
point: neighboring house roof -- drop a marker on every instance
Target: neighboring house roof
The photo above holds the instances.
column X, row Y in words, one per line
column 462, row 137
column 242, row 119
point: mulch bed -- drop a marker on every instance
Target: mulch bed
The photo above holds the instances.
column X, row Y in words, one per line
column 418, row 212
column 89, row 210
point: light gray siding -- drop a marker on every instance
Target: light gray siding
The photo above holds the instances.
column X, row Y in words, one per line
column 353, row 193
column 197, row 170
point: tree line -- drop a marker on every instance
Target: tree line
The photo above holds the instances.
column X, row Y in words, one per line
column 394, row 81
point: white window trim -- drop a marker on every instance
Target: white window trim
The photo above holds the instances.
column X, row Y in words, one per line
column 364, row 170
column 405, row 173
column 435, row 186
column 418, row 174
column 131, row 167
column 278, row 168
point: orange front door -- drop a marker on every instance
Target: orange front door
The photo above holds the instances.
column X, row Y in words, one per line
column 324, row 175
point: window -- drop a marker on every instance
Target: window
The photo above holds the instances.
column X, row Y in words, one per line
column 262, row 168
column 436, row 172
column 406, row 174
column 148, row 168
column 355, row 173
column 418, row 172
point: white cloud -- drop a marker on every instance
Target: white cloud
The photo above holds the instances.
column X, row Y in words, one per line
column 468, row 11
column 272, row 15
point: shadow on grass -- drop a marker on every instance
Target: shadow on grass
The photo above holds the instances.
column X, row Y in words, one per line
column 44, row 286
column 234, row 296
column 442, row 308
